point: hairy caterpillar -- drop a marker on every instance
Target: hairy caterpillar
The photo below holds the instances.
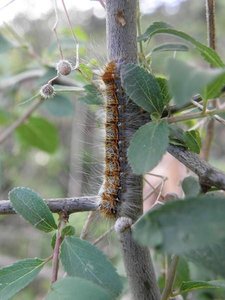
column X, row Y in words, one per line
column 110, row 190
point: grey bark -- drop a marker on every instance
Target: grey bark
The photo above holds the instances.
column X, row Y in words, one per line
column 208, row 175
column 122, row 48
column 67, row 205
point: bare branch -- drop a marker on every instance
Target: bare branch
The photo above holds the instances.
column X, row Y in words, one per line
column 208, row 175
column 67, row 205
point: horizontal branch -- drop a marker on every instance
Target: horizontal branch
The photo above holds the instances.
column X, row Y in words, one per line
column 67, row 205
column 208, row 175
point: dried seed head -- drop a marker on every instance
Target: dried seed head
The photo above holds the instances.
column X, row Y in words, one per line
column 47, row 91
column 64, row 67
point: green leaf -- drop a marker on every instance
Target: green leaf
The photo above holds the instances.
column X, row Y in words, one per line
column 191, row 186
column 73, row 288
column 163, row 84
column 181, row 227
column 5, row 44
column 152, row 29
column 39, row 133
column 147, row 146
column 170, row 47
column 142, row 87
column 185, row 81
column 207, row 53
column 211, row 258
column 15, row 277
column 81, row 259
column 192, row 140
column 92, row 95
column 188, row 286
column 32, row 208
column 59, row 106
column 68, row 230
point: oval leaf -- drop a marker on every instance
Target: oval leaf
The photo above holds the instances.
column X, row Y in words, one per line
column 15, row 277
column 82, row 259
column 147, row 146
column 207, row 53
column 32, row 208
column 73, row 288
column 142, row 88
column 191, row 186
column 180, row 227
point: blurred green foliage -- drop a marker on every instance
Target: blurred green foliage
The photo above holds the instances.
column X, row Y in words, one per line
column 51, row 173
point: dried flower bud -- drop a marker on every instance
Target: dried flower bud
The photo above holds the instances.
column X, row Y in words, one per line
column 64, row 67
column 47, row 91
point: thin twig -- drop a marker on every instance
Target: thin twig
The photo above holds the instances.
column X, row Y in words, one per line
column 74, row 37
column 87, row 224
column 211, row 30
column 104, row 235
column 216, row 117
column 102, row 2
column 57, row 205
column 54, row 29
column 161, row 184
column 5, row 134
column 170, row 278
column 191, row 116
column 142, row 56
column 210, row 19
column 56, row 251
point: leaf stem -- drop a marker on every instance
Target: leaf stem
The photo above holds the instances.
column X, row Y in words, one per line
column 167, row 292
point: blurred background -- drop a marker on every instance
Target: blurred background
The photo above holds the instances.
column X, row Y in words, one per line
column 72, row 165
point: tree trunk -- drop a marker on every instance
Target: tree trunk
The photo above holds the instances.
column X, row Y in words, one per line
column 122, row 48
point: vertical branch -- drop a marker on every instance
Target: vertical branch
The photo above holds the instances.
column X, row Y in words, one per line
column 121, row 18
column 56, row 252
column 211, row 32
